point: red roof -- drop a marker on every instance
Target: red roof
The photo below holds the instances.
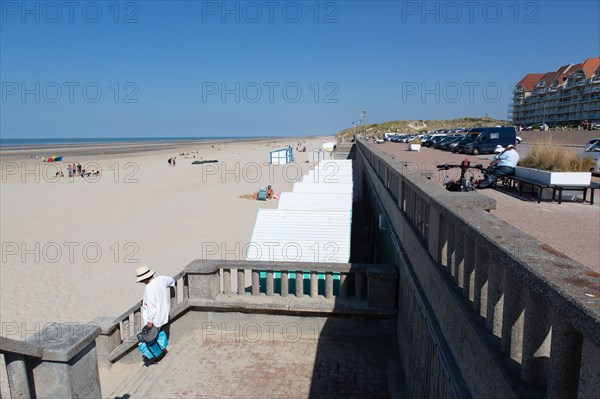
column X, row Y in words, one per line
column 590, row 66
column 530, row 80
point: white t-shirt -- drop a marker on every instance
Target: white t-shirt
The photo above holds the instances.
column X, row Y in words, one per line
column 509, row 158
column 157, row 301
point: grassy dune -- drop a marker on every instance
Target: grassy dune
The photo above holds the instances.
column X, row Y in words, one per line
column 416, row 126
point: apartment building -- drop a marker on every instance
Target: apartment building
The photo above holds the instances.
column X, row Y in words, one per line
column 567, row 96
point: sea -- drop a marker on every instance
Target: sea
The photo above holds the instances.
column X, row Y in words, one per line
column 107, row 140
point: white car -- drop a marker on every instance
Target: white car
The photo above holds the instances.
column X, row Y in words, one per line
column 519, row 139
column 378, row 141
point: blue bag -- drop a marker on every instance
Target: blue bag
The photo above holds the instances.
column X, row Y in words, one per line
column 154, row 349
column 262, row 194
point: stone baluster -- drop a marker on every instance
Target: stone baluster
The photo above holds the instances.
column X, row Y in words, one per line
column 469, row 268
column 495, row 300
column 255, row 282
column 328, row 285
column 285, row 283
column 442, row 243
column 227, row 281
column 513, row 315
column 359, row 282
column 173, row 294
column 536, row 340
column 270, row 283
column 314, row 284
column 299, row 284
column 344, row 285
column 241, row 281
column 480, row 288
column 459, row 257
column 137, row 321
column 565, row 360
column 186, row 287
column 450, row 251
column 589, row 381
column 125, row 329
column 18, row 382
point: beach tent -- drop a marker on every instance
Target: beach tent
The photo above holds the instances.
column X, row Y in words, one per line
column 281, row 156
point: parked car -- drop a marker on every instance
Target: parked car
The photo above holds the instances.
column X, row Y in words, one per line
column 431, row 140
column 593, row 152
column 596, row 126
column 591, row 143
column 518, row 139
column 450, row 144
column 540, row 126
column 440, row 142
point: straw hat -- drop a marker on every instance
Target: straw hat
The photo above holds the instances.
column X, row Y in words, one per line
column 510, row 146
column 143, row 273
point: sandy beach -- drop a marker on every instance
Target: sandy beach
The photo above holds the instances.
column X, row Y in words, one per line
column 70, row 246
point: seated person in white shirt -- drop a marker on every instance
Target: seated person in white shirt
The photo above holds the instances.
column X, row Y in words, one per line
column 156, row 305
column 504, row 165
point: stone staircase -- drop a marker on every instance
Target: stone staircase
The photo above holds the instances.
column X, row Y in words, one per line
column 209, row 363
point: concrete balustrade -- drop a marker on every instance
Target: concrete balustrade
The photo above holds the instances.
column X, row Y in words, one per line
column 59, row 361
column 207, row 284
column 369, row 280
column 542, row 310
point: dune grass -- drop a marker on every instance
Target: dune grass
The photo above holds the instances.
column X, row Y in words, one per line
column 551, row 156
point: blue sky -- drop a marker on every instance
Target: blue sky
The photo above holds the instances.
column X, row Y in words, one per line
column 193, row 68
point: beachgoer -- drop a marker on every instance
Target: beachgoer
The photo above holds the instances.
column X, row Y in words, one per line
column 174, row 161
column 157, row 299
column 504, row 165
column 269, row 192
column 170, row 160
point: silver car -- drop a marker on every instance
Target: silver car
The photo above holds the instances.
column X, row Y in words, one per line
column 593, row 151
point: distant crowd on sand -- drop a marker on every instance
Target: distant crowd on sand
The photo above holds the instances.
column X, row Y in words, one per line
column 76, row 169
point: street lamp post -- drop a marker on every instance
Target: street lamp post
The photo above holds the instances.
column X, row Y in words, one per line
column 362, row 118
column 544, row 118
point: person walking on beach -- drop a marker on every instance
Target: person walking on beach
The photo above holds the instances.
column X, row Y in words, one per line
column 157, row 299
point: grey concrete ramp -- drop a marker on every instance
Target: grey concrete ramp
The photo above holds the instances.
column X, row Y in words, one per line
column 230, row 364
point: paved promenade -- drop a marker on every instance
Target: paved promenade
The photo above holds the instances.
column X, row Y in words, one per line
column 571, row 228
column 203, row 365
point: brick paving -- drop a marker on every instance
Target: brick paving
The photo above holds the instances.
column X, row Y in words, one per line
column 572, row 228
column 199, row 366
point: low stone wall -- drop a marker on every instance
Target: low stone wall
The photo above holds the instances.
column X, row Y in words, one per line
column 484, row 309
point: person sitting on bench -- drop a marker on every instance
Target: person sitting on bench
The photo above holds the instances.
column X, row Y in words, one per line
column 504, row 165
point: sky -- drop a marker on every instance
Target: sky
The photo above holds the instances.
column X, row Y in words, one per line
column 272, row 68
